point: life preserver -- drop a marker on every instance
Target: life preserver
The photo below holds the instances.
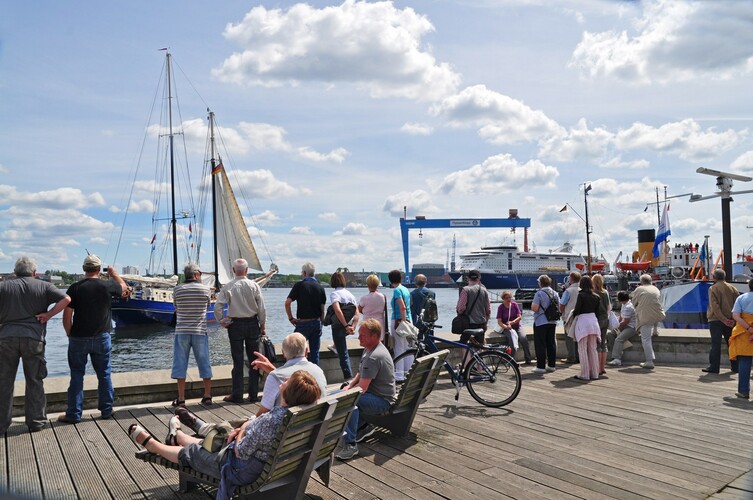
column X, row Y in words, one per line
column 678, row 272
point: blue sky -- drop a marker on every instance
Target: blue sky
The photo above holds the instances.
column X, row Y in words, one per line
column 337, row 114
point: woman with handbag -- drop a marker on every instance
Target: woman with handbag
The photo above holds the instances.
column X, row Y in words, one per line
column 603, row 317
column 586, row 330
column 242, row 462
column 344, row 320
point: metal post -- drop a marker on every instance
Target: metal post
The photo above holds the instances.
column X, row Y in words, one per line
column 727, row 236
column 586, row 189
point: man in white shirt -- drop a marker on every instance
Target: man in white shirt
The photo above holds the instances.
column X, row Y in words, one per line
column 295, row 349
column 625, row 330
column 245, row 323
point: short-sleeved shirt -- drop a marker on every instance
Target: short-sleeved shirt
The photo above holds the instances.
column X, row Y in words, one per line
column 21, row 299
column 309, row 296
column 628, row 311
column 342, row 296
column 260, row 434
column 744, row 303
column 400, row 292
column 541, row 298
column 271, row 396
column 91, row 299
column 377, row 365
column 372, row 307
column 191, row 301
column 506, row 313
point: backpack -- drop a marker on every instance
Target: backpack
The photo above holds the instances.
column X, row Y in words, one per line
column 431, row 313
column 552, row 311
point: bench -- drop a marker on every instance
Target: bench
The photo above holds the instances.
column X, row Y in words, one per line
column 305, row 442
column 419, row 382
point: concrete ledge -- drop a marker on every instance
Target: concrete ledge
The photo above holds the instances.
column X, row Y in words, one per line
column 689, row 347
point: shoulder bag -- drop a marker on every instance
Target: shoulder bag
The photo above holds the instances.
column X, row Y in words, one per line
column 462, row 322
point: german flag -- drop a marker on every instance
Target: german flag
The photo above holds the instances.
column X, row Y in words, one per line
column 217, row 168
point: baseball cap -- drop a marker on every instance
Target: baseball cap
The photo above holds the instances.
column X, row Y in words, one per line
column 92, row 261
column 474, row 274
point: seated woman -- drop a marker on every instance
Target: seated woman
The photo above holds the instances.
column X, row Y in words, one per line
column 508, row 319
column 250, row 444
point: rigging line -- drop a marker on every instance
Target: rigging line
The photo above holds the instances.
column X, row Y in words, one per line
column 140, row 156
column 245, row 197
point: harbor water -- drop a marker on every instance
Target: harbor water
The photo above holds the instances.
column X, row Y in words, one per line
column 145, row 348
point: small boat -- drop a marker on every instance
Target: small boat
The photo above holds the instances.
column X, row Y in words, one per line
column 633, row 266
column 152, row 298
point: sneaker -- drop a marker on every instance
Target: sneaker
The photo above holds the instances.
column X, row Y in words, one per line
column 745, row 395
column 615, row 362
column 538, row 370
column 550, row 369
column 347, row 451
column 364, row 432
column 65, row 419
column 172, row 429
column 647, row 366
column 709, row 370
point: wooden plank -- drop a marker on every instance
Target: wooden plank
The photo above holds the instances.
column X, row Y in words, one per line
column 49, row 456
column 81, row 468
column 23, row 479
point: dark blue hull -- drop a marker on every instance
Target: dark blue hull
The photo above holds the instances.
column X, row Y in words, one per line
column 128, row 312
column 514, row 281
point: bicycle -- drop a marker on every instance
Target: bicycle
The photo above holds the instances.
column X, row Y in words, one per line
column 491, row 375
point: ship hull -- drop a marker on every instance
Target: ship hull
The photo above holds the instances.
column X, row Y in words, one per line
column 130, row 312
column 685, row 304
column 514, row 281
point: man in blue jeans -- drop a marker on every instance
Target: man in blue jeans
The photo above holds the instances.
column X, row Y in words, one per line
column 310, row 298
column 87, row 321
column 376, row 378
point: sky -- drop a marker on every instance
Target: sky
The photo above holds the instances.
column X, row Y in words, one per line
column 336, row 115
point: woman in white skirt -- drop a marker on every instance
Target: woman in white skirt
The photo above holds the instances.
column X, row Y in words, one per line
column 586, row 330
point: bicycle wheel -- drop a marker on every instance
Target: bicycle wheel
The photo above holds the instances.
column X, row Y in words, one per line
column 494, row 380
column 410, row 352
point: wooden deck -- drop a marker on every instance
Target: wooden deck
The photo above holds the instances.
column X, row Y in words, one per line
column 669, row 433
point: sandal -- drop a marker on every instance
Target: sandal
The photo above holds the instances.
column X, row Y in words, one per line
column 179, row 402
column 134, row 430
column 172, row 431
column 206, row 400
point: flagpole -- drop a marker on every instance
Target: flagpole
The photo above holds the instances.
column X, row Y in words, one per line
column 586, row 189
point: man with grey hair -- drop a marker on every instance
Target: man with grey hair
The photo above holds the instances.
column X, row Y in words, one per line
column 648, row 313
column 87, row 321
column 246, row 323
column 310, row 299
column 418, row 299
column 295, row 349
column 722, row 297
column 191, row 299
column 23, row 326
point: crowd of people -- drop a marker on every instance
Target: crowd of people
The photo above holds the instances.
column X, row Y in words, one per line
column 27, row 304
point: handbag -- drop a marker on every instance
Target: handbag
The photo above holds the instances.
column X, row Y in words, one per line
column 462, row 322
column 572, row 319
column 407, row 331
column 614, row 322
column 268, row 349
column 330, row 318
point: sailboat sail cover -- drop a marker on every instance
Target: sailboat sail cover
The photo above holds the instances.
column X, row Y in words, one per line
column 233, row 241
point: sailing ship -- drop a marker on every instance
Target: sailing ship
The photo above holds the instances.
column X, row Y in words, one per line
column 151, row 300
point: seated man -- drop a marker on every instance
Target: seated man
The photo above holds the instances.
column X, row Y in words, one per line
column 242, row 462
column 376, row 378
column 295, row 350
column 625, row 330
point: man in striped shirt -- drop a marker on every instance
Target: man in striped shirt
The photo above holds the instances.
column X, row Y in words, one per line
column 191, row 302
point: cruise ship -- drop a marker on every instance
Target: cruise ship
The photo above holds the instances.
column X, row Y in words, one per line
column 505, row 267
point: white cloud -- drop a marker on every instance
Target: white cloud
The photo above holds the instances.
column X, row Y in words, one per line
column 305, row 230
column 267, row 217
column 579, row 142
column 263, row 136
column 743, row 162
column 499, row 173
column 336, row 155
column 329, row 216
column 618, row 163
column 142, row 206
column 98, row 240
column 353, row 228
column 263, row 184
column 416, row 129
column 58, row 198
column 673, row 41
column 372, row 44
column 419, row 202
column 503, row 120
column 685, row 138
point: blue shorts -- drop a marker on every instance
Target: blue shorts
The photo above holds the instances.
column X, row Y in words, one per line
column 182, row 346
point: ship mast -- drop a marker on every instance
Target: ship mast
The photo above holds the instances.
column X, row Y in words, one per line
column 586, row 189
column 212, row 165
column 173, row 221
